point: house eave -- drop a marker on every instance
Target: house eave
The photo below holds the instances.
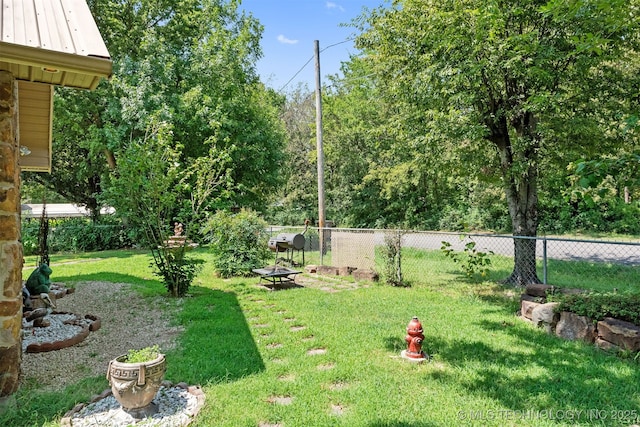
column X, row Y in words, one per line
column 54, row 67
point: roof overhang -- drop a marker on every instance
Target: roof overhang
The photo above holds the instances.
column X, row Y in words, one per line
column 52, row 67
column 46, row 43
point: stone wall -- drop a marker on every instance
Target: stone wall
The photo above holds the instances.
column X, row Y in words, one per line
column 608, row 334
column 10, row 245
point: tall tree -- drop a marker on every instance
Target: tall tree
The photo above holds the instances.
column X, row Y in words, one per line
column 521, row 76
column 297, row 198
column 190, row 65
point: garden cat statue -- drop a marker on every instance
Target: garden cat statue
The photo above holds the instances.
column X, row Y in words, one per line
column 38, row 282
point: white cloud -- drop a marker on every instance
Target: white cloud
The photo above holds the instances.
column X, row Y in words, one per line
column 332, row 5
column 283, row 39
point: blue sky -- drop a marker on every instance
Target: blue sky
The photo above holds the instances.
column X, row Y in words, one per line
column 290, row 28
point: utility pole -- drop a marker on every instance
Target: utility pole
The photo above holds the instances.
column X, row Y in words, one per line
column 320, row 152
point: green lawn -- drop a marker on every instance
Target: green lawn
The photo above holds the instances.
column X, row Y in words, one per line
column 247, row 347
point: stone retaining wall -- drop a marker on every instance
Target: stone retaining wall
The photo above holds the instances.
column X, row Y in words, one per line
column 357, row 273
column 607, row 334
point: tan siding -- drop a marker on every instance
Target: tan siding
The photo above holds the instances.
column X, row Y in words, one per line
column 35, row 110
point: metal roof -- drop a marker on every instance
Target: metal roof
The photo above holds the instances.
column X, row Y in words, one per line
column 52, row 41
column 59, row 210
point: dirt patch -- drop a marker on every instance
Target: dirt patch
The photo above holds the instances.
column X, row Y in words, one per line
column 128, row 321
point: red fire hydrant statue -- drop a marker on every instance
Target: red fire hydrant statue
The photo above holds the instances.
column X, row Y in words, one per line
column 414, row 340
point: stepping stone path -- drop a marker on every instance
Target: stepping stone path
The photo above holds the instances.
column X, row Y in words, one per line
column 274, row 345
column 280, row 400
column 338, row 386
column 326, row 366
column 287, row 378
column 335, row 408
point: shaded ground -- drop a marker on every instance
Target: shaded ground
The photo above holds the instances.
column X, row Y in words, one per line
column 128, row 321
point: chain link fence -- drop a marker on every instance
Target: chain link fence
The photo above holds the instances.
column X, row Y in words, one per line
column 418, row 254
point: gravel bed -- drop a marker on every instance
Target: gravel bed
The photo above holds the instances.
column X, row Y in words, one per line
column 57, row 331
column 127, row 321
column 176, row 407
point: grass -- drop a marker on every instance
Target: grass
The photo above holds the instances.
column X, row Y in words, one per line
column 250, row 349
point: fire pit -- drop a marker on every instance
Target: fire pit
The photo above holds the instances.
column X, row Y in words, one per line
column 277, row 275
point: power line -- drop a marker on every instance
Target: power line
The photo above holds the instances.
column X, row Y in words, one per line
column 336, row 44
column 297, row 72
column 310, row 59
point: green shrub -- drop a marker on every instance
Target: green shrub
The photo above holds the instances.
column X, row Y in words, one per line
column 174, row 269
column 77, row 235
column 471, row 260
column 392, row 255
column 238, row 242
column 598, row 305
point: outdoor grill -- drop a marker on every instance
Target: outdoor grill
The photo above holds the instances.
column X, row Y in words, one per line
column 278, row 275
column 286, row 241
column 289, row 242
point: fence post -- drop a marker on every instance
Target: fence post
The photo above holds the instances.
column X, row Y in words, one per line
column 399, row 266
column 544, row 260
column 320, row 244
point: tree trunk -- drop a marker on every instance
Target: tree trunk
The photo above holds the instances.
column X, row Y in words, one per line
column 111, row 159
column 521, row 191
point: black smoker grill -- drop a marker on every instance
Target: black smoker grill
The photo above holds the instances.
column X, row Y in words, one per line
column 284, row 242
column 287, row 242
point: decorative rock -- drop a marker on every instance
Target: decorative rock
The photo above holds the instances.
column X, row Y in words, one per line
column 538, row 289
column 526, row 307
column 34, row 314
column 177, row 406
column 95, row 322
column 574, row 327
column 327, row 270
column 545, row 316
column 41, row 322
column 66, row 329
column 365, row 275
column 346, row 271
column 526, row 297
column 621, row 333
column 606, row 345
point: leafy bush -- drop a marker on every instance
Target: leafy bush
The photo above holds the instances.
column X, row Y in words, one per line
column 598, row 305
column 238, row 242
column 77, row 235
column 472, row 261
column 174, row 269
column 392, row 255
column 611, row 215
